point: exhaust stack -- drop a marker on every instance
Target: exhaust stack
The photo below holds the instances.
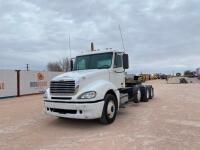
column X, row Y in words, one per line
column 92, row 46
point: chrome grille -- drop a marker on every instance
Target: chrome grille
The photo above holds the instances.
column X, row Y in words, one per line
column 62, row 87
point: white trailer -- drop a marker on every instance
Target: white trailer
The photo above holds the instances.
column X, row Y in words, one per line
column 95, row 88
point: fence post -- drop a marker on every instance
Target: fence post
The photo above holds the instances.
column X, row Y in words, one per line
column 18, row 82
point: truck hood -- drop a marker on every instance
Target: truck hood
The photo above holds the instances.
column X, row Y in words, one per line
column 80, row 74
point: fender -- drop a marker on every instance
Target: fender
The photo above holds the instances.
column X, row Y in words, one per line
column 101, row 87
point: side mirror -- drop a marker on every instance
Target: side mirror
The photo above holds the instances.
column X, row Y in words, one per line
column 125, row 61
column 71, row 65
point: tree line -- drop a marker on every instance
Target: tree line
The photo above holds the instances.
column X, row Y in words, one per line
column 62, row 65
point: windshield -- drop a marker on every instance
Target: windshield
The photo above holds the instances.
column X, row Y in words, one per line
column 94, row 61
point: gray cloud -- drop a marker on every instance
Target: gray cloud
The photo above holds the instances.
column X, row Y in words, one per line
column 159, row 35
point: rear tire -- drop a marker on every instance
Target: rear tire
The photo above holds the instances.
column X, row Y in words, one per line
column 144, row 92
column 109, row 110
column 151, row 91
column 138, row 96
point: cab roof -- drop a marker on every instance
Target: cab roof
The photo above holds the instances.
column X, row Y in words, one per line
column 99, row 52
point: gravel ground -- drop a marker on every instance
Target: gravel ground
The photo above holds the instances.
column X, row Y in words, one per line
column 170, row 121
column 176, row 80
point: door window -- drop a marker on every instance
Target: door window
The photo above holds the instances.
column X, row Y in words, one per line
column 118, row 61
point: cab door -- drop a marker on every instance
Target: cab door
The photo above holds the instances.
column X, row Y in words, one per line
column 117, row 74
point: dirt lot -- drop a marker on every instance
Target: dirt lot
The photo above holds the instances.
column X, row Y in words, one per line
column 170, row 121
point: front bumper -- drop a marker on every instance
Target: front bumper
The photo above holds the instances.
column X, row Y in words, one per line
column 76, row 110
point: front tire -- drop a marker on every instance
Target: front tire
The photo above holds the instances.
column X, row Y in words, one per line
column 109, row 110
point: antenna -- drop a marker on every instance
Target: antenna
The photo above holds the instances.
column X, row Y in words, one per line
column 121, row 37
column 69, row 47
column 70, row 57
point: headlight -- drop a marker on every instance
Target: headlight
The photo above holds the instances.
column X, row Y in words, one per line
column 45, row 96
column 87, row 95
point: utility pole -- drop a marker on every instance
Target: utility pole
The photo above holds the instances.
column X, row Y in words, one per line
column 27, row 67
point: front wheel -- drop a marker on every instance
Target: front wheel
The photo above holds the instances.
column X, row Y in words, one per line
column 109, row 110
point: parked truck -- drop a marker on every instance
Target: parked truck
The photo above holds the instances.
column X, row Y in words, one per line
column 96, row 88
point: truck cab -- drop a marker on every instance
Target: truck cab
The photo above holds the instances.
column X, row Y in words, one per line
column 94, row 89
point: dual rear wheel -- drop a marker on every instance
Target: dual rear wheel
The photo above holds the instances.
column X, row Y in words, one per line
column 147, row 93
column 138, row 95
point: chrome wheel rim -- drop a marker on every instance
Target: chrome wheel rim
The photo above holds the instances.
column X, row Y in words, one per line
column 148, row 94
column 111, row 109
column 139, row 95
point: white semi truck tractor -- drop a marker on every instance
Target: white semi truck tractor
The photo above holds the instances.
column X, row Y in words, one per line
column 96, row 88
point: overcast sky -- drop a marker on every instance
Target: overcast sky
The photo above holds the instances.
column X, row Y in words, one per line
column 159, row 35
